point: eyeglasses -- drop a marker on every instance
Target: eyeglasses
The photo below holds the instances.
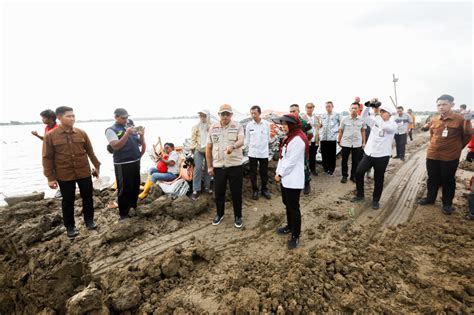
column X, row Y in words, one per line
column 225, row 114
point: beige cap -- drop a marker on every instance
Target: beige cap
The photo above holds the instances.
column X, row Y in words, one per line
column 225, row 108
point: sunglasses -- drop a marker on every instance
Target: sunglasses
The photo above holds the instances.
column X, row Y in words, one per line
column 225, row 114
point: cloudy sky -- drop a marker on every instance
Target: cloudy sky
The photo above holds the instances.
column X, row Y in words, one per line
column 163, row 59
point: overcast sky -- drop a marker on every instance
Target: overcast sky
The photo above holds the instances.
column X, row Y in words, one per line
column 159, row 59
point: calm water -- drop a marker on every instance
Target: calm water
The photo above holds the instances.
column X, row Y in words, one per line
column 21, row 166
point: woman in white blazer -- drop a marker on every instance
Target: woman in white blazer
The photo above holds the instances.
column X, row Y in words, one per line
column 290, row 173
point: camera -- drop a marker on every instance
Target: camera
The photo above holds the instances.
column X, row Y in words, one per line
column 373, row 104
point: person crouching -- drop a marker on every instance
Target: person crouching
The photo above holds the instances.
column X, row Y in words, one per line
column 290, row 172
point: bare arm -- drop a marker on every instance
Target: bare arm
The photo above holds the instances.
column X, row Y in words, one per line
column 118, row 144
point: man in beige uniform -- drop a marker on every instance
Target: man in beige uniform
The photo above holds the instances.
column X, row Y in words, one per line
column 224, row 162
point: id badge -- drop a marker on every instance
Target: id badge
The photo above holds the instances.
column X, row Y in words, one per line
column 445, row 133
column 381, row 133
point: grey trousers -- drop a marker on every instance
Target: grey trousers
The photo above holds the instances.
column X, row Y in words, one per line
column 200, row 167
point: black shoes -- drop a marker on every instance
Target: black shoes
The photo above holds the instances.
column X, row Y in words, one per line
column 238, row 222
column 255, row 195
column 217, row 220
column 375, row 205
column 330, row 173
column 293, row 242
column 307, row 188
column 91, row 225
column 357, row 199
column 352, row 178
column 344, row 180
column 283, row 230
column 395, row 157
column 195, row 195
column 266, row 194
column 425, row 201
column 448, row 210
column 72, row 232
column 124, row 217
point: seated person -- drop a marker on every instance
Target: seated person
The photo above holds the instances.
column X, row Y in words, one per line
column 170, row 158
column 172, row 163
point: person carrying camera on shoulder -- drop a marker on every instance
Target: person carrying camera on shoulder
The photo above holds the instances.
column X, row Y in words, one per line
column 378, row 149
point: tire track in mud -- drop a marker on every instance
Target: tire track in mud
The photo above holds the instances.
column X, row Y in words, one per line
column 398, row 197
column 226, row 233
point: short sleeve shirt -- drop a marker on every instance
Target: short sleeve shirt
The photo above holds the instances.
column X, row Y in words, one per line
column 352, row 132
column 174, row 156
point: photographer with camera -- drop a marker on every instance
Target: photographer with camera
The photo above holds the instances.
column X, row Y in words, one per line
column 378, row 149
column 450, row 132
column 128, row 145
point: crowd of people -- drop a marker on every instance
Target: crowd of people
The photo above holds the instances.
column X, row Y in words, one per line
column 366, row 135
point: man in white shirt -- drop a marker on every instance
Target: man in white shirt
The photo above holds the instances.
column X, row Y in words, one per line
column 257, row 139
column 351, row 139
column 315, row 122
column 377, row 150
column 402, row 120
column 329, row 131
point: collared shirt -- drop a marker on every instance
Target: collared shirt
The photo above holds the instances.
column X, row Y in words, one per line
column 352, row 132
column 291, row 166
column 402, row 123
column 381, row 135
column 257, row 138
column 220, row 138
column 448, row 137
column 314, row 120
column 65, row 155
column 330, row 126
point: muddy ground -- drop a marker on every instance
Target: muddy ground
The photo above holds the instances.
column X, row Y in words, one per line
column 168, row 259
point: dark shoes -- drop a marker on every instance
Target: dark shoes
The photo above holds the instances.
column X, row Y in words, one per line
column 72, row 232
column 255, row 195
column 395, row 157
column 91, row 225
column 293, row 242
column 344, row 180
column 238, row 222
column 266, row 194
column 375, row 205
column 283, row 230
column 352, row 178
column 357, row 199
column 448, row 210
column 330, row 173
column 425, row 201
column 124, row 217
column 307, row 188
column 217, row 220
column 195, row 195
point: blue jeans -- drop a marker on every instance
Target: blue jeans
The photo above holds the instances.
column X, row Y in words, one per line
column 162, row 177
column 200, row 166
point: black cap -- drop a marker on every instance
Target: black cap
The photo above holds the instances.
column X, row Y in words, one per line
column 287, row 118
column 122, row 112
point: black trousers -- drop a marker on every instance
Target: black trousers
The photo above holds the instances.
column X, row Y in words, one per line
column 313, row 150
column 441, row 173
column 234, row 175
column 128, row 185
column 291, row 200
column 68, row 192
column 401, row 142
column 410, row 134
column 356, row 153
column 254, row 163
column 379, row 164
column 328, row 152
